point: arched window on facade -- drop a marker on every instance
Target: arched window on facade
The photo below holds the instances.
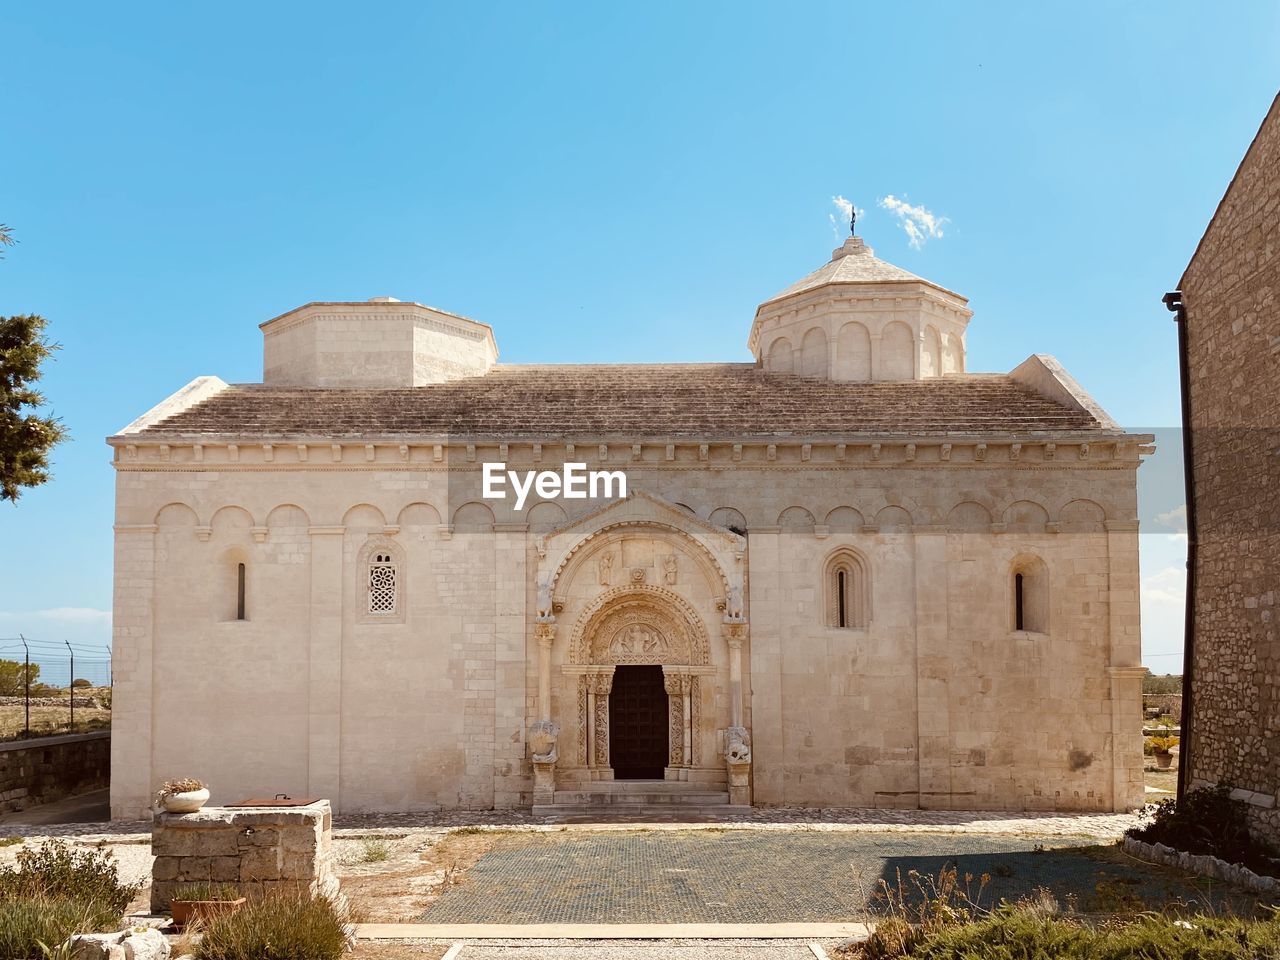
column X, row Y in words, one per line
column 384, row 599
column 1029, row 595
column 846, row 590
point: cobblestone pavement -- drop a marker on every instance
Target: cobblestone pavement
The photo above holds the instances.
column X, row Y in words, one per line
column 738, row 876
column 763, row 818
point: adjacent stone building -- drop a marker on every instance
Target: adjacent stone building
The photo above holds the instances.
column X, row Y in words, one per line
column 849, row 573
column 1231, row 310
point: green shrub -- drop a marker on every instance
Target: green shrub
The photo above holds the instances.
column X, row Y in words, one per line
column 1162, row 744
column 80, row 682
column 1206, row 821
column 56, row 871
column 29, row 922
column 279, row 927
column 374, row 850
column 1022, row 933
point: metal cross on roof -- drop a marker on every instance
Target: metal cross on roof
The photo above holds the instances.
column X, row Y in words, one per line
column 853, row 220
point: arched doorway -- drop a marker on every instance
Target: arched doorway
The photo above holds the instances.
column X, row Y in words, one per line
column 642, row 650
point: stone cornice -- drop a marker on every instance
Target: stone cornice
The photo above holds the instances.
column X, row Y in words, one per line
column 998, row 452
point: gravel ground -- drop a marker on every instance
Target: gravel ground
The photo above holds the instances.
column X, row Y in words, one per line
column 640, row 950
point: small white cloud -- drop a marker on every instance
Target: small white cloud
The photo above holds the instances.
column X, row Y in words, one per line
column 840, row 226
column 1166, row 587
column 920, row 224
column 1175, row 518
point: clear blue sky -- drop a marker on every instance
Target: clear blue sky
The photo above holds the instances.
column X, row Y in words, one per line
column 600, row 182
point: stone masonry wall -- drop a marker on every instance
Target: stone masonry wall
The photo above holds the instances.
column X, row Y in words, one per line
column 1232, row 294
column 258, row 849
column 49, row 768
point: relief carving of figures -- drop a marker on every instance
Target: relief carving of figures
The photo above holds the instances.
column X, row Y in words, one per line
column 640, row 635
column 669, row 569
column 604, row 566
column 637, row 639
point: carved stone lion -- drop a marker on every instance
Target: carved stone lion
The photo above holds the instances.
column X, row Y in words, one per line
column 737, row 745
column 542, row 740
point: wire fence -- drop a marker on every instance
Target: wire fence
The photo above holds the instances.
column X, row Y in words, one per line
column 50, row 687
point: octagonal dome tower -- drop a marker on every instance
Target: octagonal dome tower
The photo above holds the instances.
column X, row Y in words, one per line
column 860, row 318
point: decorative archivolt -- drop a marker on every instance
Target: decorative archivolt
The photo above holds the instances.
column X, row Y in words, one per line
column 639, row 623
column 700, row 553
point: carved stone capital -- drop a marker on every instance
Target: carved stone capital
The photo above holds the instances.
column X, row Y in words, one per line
column 600, row 683
column 677, row 684
column 545, row 632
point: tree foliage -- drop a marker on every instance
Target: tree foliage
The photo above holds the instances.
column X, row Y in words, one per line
column 26, row 437
column 13, row 677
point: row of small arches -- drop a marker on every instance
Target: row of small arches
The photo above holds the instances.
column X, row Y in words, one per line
column 939, row 354
column 1080, row 516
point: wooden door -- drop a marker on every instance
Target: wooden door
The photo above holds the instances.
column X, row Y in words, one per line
column 638, row 723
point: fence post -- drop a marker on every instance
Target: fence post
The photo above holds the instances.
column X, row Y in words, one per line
column 26, row 685
column 71, row 685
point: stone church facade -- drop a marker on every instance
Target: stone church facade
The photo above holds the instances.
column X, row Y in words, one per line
column 851, row 573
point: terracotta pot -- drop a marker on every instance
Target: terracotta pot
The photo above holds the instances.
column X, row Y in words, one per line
column 1164, row 760
column 189, row 911
column 188, row 802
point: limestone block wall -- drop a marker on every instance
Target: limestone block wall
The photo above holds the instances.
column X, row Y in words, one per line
column 257, row 849
column 1232, row 293
column 50, row 768
column 427, row 708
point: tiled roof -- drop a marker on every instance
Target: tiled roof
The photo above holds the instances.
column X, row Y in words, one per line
column 853, row 263
column 591, row 402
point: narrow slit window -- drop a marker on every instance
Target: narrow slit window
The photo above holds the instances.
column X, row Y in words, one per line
column 845, row 590
column 1019, row 622
column 240, row 611
column 842, row 599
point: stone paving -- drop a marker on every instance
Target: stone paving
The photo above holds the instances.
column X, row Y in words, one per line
column 764, row 818
column 738, row 876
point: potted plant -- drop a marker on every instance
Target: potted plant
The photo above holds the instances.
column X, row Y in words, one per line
column 1162, row 749
column 201, row 902
column 182, row 796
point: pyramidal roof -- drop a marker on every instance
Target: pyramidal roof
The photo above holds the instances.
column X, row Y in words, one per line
column 855, row 262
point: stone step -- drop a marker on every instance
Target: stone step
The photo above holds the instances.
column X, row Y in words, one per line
column 636, row 813
column 585, row 799
column 643, row 786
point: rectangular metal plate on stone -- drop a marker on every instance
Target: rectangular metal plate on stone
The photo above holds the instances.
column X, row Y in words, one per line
column 279, row 800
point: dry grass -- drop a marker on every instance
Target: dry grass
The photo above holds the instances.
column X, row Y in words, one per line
column 47, row 721
column 415, row 873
